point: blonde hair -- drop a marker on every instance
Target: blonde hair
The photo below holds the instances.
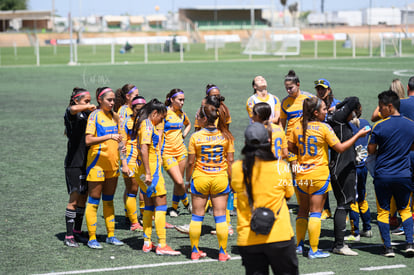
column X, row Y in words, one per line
column 398, row 88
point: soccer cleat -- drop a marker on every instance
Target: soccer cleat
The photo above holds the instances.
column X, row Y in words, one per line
column 398, row 231
column 166, row 250
column 326, row 214
column 300, row 248
column 169, row 225
column 136, row 227
column 70, row 241
column 366, row 234
column 345, row 250
column 172, row 212
column 409, row 249
column 114, row 241
column 189, row 208
column 148, row 247
column 198, row 255
column 353, row 238
column 319, row 254
column 81, row 236
column 185, row 229
column 94, row 244
column 224, row 257
column 388, row 252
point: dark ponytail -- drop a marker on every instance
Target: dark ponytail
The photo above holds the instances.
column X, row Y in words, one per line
column 310, row 105
column 145, row 111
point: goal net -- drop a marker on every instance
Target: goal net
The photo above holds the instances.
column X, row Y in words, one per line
column 279, row 42
column 391, row 44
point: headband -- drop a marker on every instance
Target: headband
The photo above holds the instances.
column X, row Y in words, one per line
column 133, row 89
column 104, row 91
column 212, row 88
column 80, row 94
column 177, row 93
column 139, row 101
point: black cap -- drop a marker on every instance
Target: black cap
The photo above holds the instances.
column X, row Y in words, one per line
column 256, row 135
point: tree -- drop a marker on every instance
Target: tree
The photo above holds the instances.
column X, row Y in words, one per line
column 6, row 5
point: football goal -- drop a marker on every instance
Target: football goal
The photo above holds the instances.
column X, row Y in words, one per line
column 274, row 41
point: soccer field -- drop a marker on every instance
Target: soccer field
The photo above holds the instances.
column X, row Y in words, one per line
column 34, row 196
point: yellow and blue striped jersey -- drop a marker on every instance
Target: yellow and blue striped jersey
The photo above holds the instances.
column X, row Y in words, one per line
column 279, row 140
column 210, row 148
column 270, row 99
column 124, row 111
column 104, row 154
column 148, row 134
column 131, row 144
column 292, row 109
column 174, row 123
column 313, row 150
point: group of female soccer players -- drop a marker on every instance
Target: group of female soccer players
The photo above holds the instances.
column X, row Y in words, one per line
column 125, row 133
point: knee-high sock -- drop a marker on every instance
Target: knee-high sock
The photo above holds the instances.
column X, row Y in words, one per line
column 91, row 217
column 109, row 214
column 70, row 216
column 147, row 222
column 195, row 231
column 354, row 218
column 301, row 228
column 131, row 206
column 184, row 199
column 80, row 212
column 383, row 219
column 160, row 212
column 314, row 228
column 339, row 226
column 222, row 230
column 365, row 215
column 174, row 202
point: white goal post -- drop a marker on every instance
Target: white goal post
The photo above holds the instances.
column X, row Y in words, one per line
column 391, row 43
column 281, row 42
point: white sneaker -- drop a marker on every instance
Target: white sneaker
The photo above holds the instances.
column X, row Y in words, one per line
column 366, row 234
column 172, row 212
column 185, row 229
column 344, row 251
column 353, row 238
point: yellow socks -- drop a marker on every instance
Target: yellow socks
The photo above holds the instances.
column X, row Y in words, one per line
column 160, row 212
column 109, row 214
column 195, row 231
column 147, row 222
column 301, row 228
column 314, row 229
column 91, row 217
column 131, row 206
column 222, row 230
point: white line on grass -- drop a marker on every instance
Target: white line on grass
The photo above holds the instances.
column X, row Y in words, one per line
column 374, row 268
column 132, row 267
column 337, row 68
column 321, row 273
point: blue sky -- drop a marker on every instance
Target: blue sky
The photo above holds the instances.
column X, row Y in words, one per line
column 145, row 7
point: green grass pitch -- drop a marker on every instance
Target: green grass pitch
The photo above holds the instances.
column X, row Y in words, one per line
column 33, row 194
